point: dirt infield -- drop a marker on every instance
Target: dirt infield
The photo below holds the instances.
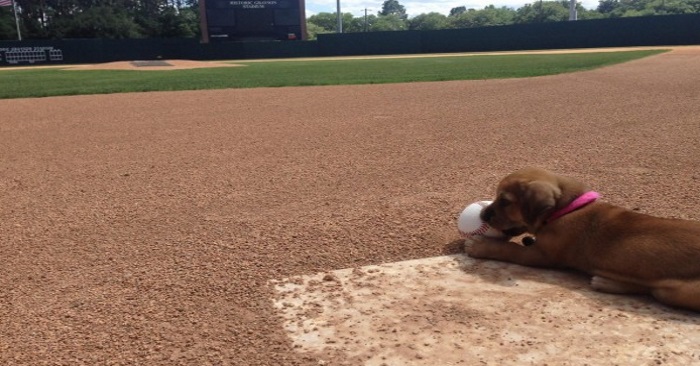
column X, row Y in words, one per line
column 144, row 228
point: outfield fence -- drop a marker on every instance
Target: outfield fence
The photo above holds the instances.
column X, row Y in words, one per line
column 671, row 30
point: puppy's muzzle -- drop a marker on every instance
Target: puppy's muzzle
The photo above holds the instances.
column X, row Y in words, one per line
column 486, row 214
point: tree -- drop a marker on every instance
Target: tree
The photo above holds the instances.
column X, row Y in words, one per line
column 146, row 14
column 97, row 22
column 628, row 8
column 32, row 18
column 326, row 21
column 360, row 24
column 664, row 7
column 695, row 5
column 607, row 6
column 41, row 19
column 190, row 18
column 106, row 18
column 392, row 7
column 313, row 30
column 430, row 21
column 543, row 11
column 489, row 16
column 329, row 22
column 348, row 25
column 7, row 24
column 177, row 23
column 390, row 22
column 584, row 14
column 458, row 10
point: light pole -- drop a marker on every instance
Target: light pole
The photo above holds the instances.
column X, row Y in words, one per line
column 366, row 25
column 14, row 10
column 572, row 10
column 340, row 18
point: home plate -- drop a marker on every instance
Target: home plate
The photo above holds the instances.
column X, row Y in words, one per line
column 454, row 310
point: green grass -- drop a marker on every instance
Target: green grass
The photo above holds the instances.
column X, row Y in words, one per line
column 52, row 82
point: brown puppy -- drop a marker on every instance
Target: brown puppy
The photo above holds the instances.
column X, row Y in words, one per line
column 624, row 251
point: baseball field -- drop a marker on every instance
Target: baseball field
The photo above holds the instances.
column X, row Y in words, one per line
column 120, row 77
column 315, row 225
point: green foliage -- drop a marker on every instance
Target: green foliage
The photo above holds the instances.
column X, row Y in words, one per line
column 349, row 25
column 41, row 19
column 173, row 23
column 535, row 12
column 49, row 82
column 585, row 14
column 392, row 7
column 629, row 8
column 102, row 19
column 488, row 16
column 360, row 24
column 97, row 22
column 391, row 22
column 458, row 10
column 428, row 21
column 313, row 30
column 7, row 24
column 146, row 15
column 543, row 11
column 328, row 23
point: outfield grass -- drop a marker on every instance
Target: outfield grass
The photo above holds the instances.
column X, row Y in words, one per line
column 52, row 82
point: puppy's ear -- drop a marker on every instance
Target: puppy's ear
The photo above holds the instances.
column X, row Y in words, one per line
column 539, row 200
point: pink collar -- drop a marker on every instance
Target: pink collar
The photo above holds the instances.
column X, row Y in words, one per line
column 581, row 201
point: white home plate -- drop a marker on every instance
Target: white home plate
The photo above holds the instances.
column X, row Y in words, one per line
column 454, row 310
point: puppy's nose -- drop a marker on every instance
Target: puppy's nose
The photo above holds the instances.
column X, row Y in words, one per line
column 486, row 214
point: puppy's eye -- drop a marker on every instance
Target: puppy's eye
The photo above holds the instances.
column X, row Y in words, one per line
column 505, row 199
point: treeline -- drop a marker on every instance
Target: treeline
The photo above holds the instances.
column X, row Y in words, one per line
column 57, row 19
column 393, row 16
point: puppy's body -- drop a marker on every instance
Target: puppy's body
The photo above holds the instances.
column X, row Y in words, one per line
column 625, row 251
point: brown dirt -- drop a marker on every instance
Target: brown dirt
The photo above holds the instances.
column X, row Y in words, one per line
column 143, row 65
column 143, row 228
column 455, row 310
column 131, row 65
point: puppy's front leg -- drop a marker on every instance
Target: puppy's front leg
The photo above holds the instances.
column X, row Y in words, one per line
column 604, row 284
column 487, row 248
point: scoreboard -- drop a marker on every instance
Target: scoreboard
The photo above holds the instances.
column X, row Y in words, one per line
column 251, row 20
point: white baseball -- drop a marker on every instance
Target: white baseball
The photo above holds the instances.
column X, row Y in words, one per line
column 469, row 222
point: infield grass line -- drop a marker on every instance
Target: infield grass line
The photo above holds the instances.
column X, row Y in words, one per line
column 29, row 83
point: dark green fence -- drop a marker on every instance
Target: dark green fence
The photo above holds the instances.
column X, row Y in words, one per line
column 618, row 32
column 639, row 31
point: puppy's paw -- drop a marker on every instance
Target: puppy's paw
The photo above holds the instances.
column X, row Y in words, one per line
column 607, row 285
column 601, row 283
column 480, row 247
column 478, row 253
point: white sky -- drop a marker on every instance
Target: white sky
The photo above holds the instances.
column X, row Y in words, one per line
column 414, row 7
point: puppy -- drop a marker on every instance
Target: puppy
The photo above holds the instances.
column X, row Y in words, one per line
column 626, row 252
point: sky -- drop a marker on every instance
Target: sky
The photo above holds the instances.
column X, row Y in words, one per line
column 415, row 7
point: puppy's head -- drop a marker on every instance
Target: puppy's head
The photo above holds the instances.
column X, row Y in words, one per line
column 527, row 198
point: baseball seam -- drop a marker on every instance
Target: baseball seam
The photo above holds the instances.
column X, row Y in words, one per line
column 481, row 230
